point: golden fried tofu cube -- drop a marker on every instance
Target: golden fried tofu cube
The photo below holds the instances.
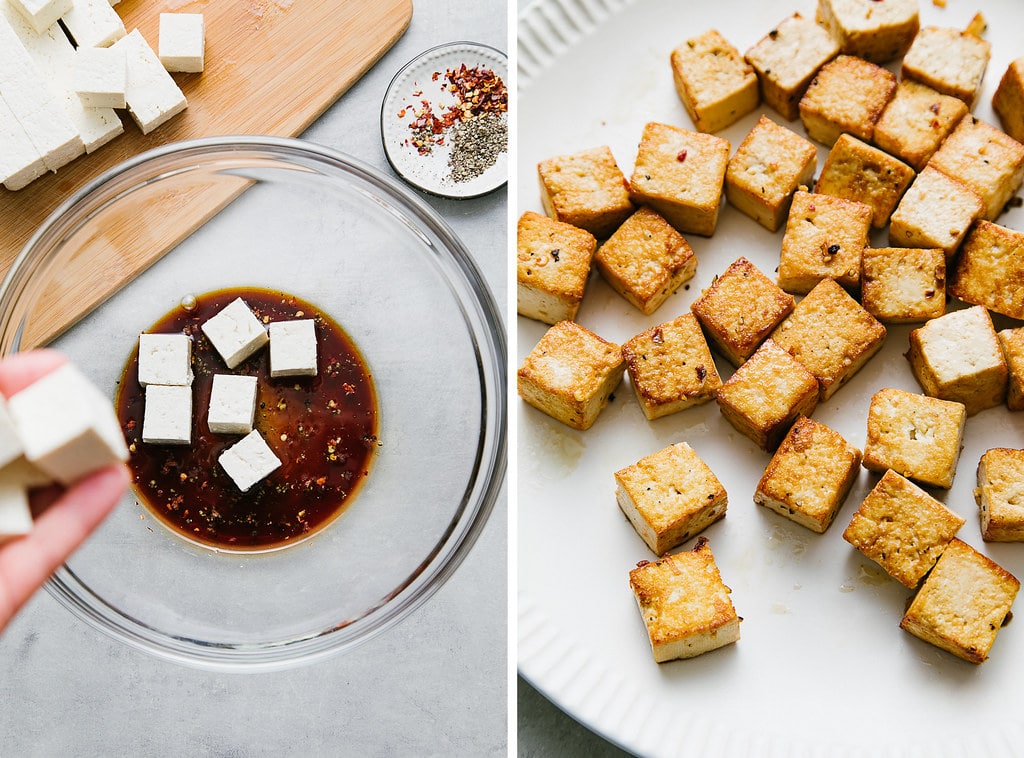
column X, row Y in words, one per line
column 990, row 269
column 586, row 189
column 1000, row 495
column 914, row 435
column 957, row 357
column 552, row 265
column 671, row 367
column 1008, row 102
column 915, row 122
column 985, row 159
column 768, row 167
column 876, row 31
column 949, row 61
column 740, row 309
column 825, row 239
column 767, row 394
column 787, row 58
column 847, row 96
column 670, row 496
column 831, row 334
column 716, row 85
column 680, row 174
column 855, row 170
column 1012, row 343
column 935, row 211
column 646, row 260
column 900, row 285
column 963, row 603
column 902, row 528
column 809, row 476
column 685, row 604
column 570, row 374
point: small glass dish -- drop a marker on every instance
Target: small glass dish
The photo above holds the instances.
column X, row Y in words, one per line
column 286, row 215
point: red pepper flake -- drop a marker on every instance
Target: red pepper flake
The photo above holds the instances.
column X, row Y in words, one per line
column 681, row 156
column 934, row 108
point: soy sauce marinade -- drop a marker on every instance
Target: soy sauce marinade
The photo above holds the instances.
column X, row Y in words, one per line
column 323, row 428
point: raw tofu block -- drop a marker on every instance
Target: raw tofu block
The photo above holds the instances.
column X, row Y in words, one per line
column 152, row 95
column 67, row 426
column 20, row 162
column 101, row 77
column 182, row 41
column 232, row 404
column 42, row 14
column 165, row 359
column 293, row 348
column 168, row 416
column 249, row 461
column 10, row 444
column 552, row 267
column 235, row 332
column 15, row 513
column 93, row 23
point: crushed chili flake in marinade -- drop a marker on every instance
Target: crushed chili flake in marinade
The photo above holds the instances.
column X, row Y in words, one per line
column 323, row 428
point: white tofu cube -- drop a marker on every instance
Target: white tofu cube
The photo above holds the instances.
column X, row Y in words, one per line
column 232, row 404
column 42, row 14
column 293, row 348
column 27, row 474
column 235, row 332
column 93, row 23
column 165, row 359
column 249, row 460
column 100, row 76
column 151, row 93
column 67, row 426
column 182, row 41
column 15, row 514
column 10, row 444
column 167, row 419
column 20, row 162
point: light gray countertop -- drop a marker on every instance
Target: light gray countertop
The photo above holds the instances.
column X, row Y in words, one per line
column 436, row 684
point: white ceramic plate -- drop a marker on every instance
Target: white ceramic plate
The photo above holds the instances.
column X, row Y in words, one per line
column 822, row 667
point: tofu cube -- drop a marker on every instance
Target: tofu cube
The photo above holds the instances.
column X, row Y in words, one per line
column 963, row 603
column 825, row 239
column 1012, row 343
column 646, row 260
column 235, row 332
column 740, row 309
column 949, row 61
column 902, row 528
column 717, row 87
column 916, row 121
column 809, row 476
column 914, row 435
column 831, row 334
column 767, row 168
column 152, row 95
column 10, row 445
column 935, row 211
column 100, row 76
column 679, row 174
column 93, row 23
column 586, row 189
column 15, row 513
column 1008, row 101
column 232, row 404
column 767, row 394
column 249, row 461
column 671, row 367
column 570, row 374
column 165, row 359
column 685, row 604
column 903, row 285
column 990, row 269
column 182, row 41
column 670, row 496
column 847, row 96
column 1000, row 495
column 67, row 427
column 293, row 348
column 552, row 266
column 787, row 58
column 873, row 30
column 167, row 419
column 42, row 14
column 957, row 357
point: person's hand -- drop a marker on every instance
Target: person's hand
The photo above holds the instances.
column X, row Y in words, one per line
column 64, row 517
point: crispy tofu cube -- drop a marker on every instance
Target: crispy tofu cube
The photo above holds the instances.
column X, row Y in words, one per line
column 902, row 285
column 670, row 496
column 825, row 239
column 552, row 266
column 680, row 173
column 646, row 260
column 990, row 269
column 847, row 96
column 855, row 170
column 740, row 309
column 1012, row 343
column 915, row 122
column 935, row 211
column 671, row 367
column 914, row 435
column 586, row 189
column 684, row 604
column 570, row 374
column 768, row 167
column 963, row 603
column 873, row 30
column 1008, row 102
column 809, row 476
column 1000, row 495
column 787, row 58
column 767, row 394
column 949, row 61
column 716, row 85
column 831, row 334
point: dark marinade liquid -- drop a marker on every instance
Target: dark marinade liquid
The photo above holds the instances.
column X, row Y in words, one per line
column 323, row 428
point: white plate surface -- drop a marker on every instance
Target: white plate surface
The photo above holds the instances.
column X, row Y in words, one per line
column 822, row 667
